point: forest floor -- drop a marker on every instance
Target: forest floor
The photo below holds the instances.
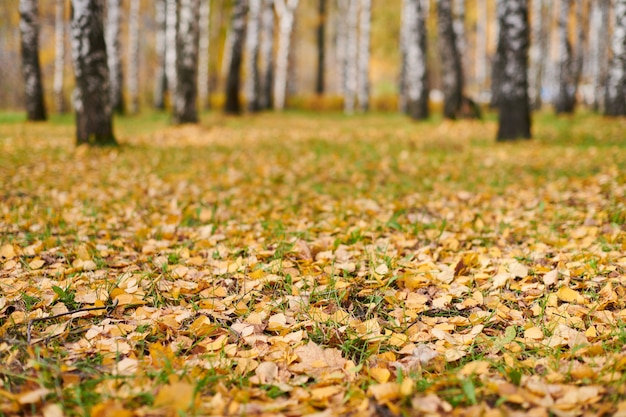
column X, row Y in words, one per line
column 283, row 265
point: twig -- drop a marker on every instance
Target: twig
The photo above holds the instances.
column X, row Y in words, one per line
column 67, row 313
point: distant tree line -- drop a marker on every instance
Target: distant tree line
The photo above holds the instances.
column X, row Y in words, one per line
column 258, row 54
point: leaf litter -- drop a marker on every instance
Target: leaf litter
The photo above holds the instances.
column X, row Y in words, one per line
column 290, row 267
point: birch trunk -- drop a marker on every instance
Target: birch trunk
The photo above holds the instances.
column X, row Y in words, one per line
column 350, row 62
column 160, row 79
column 450, row 62
column 171, row 24
column 133, row 57
column 415, row 70
column 186, row 93
column 92, row 96
column 252, row 55
column 566, row 98
column 285, row 10
column 321, row 47
column 114, row 54
column 405, row 22
column 598, row 51
column 341, row 44
column 59, row 55
column 514, row 104
column 233, row 80
column 497, row 70
column 203, row 53
column 363, row 83
column 481, row 44
column 616, row 83
column 267, row 55
column 31, row 70
column 458, row 24
column 535, row 53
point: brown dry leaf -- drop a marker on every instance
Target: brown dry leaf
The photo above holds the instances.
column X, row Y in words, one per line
column 32, row 397
column 52, row 410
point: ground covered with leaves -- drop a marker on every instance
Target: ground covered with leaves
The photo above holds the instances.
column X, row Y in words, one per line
column 285, row 265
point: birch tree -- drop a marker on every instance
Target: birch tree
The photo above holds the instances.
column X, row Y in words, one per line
column 133, row 56
column 171, row 24
column 285, row 10
column 539, row 38
column 414, row 79
column 160, row 78
column 203, row 53
column 480, row 59
column 616, row 83
column 514, row 105
column 92, row 97
column 363, row 84
column 497, row 69
column 351, row 56
column 233, row 78
column 598, row 51
column 252, row 54
column 186, row 93
column 566, row 98
column 114, row 54
column 31, row 70
column 341, row 35
column 452, row 77
column 59, row 55
column 266, row 51
column 320, row 71
column 458, row 25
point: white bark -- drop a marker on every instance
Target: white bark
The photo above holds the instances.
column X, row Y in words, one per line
column 414, row 86
column 537, row 39
column 616, row 83
column 285, row 10
column 133, row 56
column 59, row 54
column 598, row 51
column 171, row 17
column 31, row 69
column 186, row 93
column 266, row 54
column 94, row 125
column 480, row 59
column 114, row 53
column 203, row 53
column 160, row 82
column 363, row 84
column 350, row 80
column 252, row 55
column 341, row 35
column 458, row 24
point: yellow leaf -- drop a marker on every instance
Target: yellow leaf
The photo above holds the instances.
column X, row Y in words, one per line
column 7, row 252
column 475, row 368
column 110, row 409
column 381, row 375
column 36, row 263
column 325, row 392
column 534, row 333
column 177, row 396
column 568, row 295
column 385, row 392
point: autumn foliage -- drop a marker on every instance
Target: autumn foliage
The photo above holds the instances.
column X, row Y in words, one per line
column 294, row 264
